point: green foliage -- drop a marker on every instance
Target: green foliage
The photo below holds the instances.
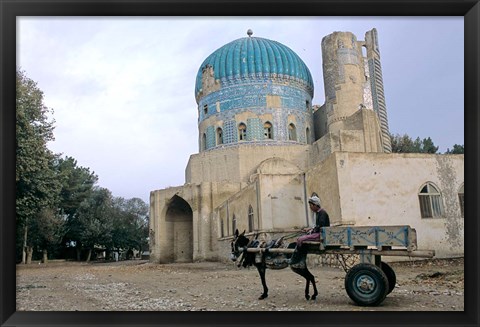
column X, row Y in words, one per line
column 110, row 222
column 57, row 200
column 34, row 174
column 77, row 184
column 92, row 223
column 404, row 144
column 457, row 149
column 48, row 228
column 428, row 146
column 130, row 224
column 37, row 188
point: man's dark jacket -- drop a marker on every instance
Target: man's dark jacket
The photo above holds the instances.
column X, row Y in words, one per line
column 321, row 220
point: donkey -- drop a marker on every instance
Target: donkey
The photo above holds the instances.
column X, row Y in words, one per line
column 265, row 260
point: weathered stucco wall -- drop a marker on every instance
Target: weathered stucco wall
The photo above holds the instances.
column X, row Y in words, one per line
column 238, row 163
column 361, row 133
column 382, row 189
column 344, row 75
column 322, row 179
column 237, row 206
column 277, row 198
column 363, row 189
column 282, row 195
column 181, row 221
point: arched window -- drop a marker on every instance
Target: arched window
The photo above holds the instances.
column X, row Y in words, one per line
column 307, row 136
column 267, row 128
column 461, row 200
column 292, row 132
column 430, row 202
column 204, row 142
column 242, row 132
column 234, row 224
column 251, row 225
column 219, row 136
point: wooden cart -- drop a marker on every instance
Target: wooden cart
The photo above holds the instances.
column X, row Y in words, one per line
column 368, row 280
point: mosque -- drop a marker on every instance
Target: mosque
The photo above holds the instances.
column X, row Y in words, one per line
column 264, row 148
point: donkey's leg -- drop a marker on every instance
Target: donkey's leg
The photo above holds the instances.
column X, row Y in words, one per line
column 303, row 272
column 307, row 289
column 311, row 278
column 261, row 271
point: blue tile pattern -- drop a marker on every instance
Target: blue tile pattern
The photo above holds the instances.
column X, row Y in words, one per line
column 230, row 134
column 210, row 137
column 249, row 71
column 254, row 57
column 255, row 132
column 254, row 129
column 253, row 95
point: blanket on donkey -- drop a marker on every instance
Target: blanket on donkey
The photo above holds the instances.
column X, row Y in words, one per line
column 271, row 260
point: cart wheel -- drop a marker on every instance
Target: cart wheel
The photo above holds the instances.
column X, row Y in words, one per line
column 366, row 284
column 392, row 278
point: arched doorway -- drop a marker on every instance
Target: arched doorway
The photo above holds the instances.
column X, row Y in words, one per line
column 179, row 225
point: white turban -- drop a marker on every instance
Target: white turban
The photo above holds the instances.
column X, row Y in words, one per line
column 315, row 200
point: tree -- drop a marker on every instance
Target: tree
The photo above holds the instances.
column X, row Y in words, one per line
column 402, row 144
column 405, row 144
column 36, row 185
column 93, row 221
column 428, row 146
column 457, row 149
column 48, row 230
column 77, row 184
column 130, row 224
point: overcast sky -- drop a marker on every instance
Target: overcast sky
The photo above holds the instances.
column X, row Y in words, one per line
column 122, row 89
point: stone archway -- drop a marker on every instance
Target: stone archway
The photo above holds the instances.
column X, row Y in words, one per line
column 179, row 225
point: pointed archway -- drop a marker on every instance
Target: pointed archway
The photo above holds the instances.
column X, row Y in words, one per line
column 179, row 224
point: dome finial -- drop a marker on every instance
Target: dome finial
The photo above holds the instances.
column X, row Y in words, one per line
column 249, row 32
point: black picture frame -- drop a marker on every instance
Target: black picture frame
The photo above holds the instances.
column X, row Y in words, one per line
column 10, row 10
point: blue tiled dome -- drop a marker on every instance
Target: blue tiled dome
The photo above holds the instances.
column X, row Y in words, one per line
column 254, row 57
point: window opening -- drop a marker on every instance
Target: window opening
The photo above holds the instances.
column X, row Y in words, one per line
column 267, row 127
column 219, row 136
column 292, row 132
column 242, row 132
column 251, row 226
column 430, row 202
column 364, row 51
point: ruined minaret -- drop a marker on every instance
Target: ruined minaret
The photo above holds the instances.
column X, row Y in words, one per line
column 353, row 81
column 376, row 83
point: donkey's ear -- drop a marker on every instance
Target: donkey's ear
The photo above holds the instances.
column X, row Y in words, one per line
column 236, row 232
column 243, row 233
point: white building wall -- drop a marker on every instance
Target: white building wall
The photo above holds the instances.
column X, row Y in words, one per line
column 382, row 189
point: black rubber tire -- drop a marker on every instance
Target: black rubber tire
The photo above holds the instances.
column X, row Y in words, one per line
column 392, row 278
column 366, row 284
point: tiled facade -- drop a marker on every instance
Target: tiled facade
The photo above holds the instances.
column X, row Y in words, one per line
column 253, row 81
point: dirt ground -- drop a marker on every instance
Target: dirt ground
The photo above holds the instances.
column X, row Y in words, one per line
column 136, row 285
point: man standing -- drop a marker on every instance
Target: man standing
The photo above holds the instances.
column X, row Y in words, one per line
column 312, row 233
